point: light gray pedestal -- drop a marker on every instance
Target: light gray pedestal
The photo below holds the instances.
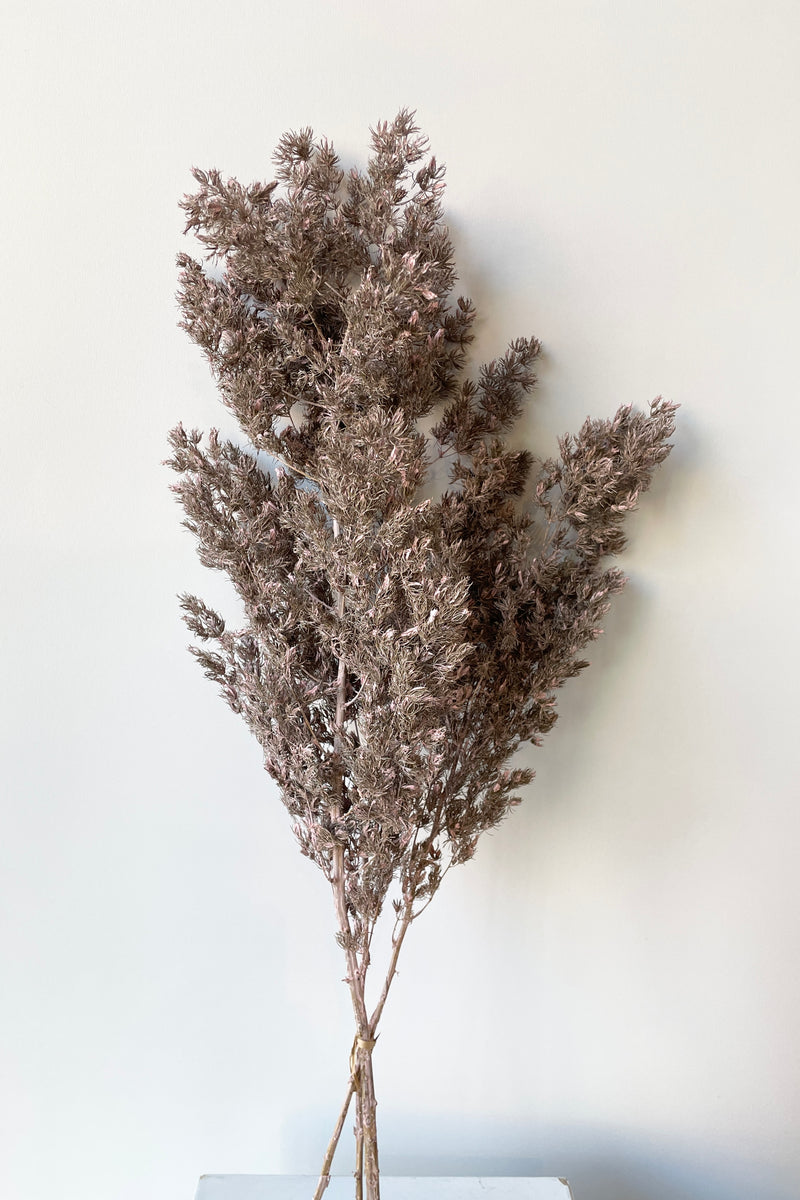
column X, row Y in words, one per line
column 301, row 1187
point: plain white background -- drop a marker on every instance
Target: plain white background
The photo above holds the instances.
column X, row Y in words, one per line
column 611, row 990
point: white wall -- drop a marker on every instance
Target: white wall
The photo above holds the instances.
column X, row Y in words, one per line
column 611, row 990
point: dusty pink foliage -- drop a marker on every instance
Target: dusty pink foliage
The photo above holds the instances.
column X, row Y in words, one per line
column 397, row 650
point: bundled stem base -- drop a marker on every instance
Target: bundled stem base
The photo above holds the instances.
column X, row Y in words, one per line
column 361, row 1084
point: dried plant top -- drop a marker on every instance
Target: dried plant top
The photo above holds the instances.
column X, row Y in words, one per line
column 397, row 650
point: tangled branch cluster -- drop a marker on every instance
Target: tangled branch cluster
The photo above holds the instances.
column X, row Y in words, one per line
column 397, row 650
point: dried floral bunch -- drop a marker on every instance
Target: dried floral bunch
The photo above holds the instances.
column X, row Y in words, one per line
column 397, row 650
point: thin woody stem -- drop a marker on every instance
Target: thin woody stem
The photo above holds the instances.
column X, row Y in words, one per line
column 370, row 1167
column 408, row 914
column 324, row 1176
column 359, row 1132
column 390, row 973
column 353, row 1085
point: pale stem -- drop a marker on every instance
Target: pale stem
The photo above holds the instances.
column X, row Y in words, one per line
column 359, row 1132
column 392, row 970
column 369, row 1127
column 325, row 1176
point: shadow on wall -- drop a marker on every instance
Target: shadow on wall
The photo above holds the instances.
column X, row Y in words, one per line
column 600, row 1164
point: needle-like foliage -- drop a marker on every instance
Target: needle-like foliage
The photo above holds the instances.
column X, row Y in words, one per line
column 397, row 650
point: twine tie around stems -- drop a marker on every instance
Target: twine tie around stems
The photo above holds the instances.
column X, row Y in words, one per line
column 359, row 1043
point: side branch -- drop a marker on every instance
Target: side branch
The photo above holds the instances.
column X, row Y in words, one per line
column 325, row 1176
column 397, row 943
